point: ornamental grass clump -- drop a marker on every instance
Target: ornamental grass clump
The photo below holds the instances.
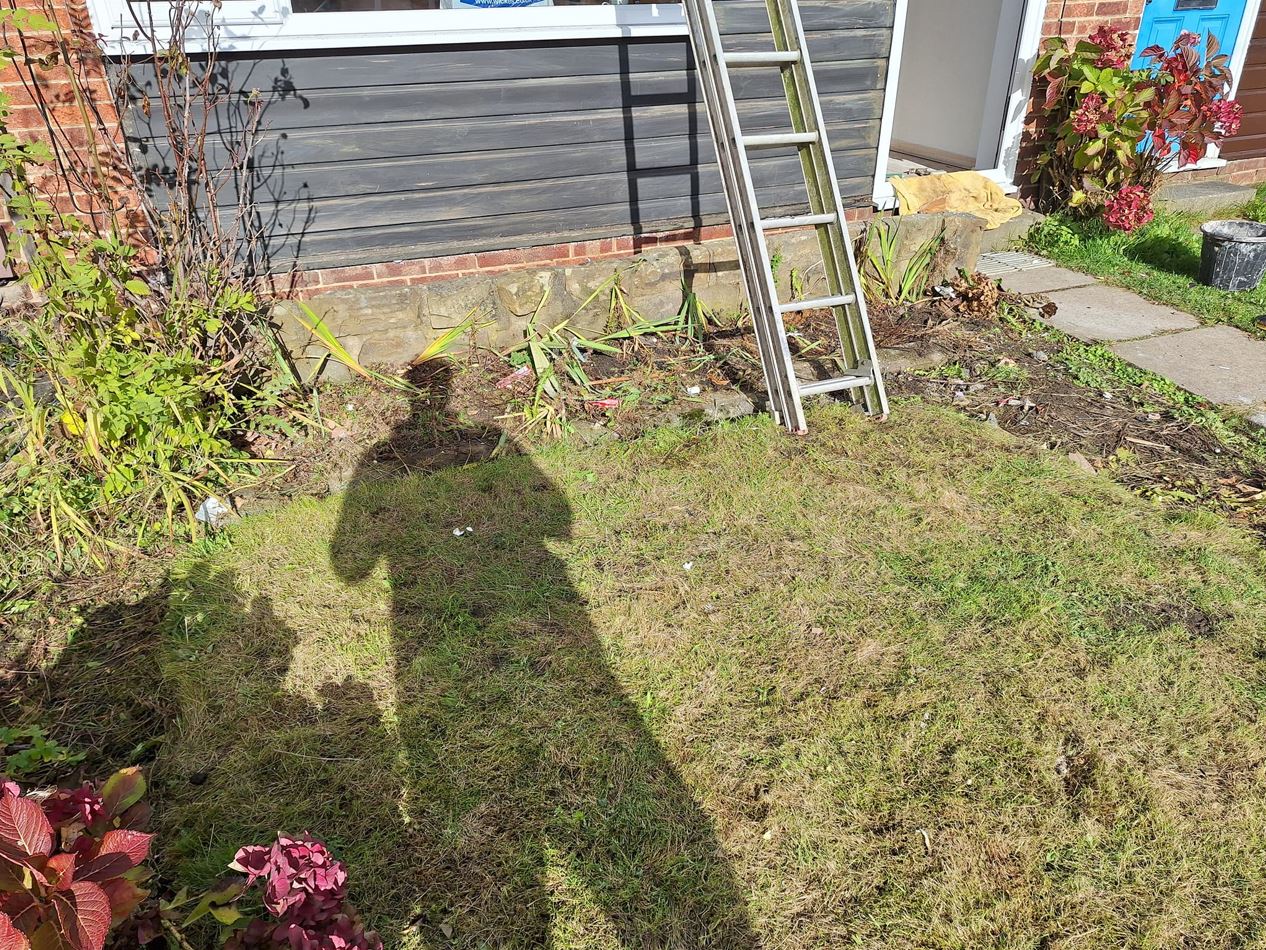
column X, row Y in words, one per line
column 1111, row 130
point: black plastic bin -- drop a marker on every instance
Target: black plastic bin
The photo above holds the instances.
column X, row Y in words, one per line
column 1234, row 254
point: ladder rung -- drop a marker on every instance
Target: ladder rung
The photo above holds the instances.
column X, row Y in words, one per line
column 797, row 221
column 775, row 139
column 761, row 59
column 839, row 384
column 821, row 303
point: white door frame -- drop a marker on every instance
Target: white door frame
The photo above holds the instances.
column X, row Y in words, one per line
column 1012, row 96
column 1017, row 101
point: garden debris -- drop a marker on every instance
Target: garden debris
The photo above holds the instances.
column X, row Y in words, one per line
column 520, row 375
column 1082, row 463
column 977, row 295
column 1076, row 765
column 213, row 512
column 1045, row 393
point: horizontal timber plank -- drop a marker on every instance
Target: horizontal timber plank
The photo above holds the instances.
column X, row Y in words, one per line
column 427, row 239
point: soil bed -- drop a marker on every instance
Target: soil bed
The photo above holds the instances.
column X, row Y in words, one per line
column 1005, row 371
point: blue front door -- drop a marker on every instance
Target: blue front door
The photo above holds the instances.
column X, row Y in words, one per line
column 1163, row 20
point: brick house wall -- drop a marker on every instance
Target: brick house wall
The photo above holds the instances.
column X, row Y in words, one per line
column 58, row 95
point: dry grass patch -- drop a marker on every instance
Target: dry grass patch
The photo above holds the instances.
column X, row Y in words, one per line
column 922, row 685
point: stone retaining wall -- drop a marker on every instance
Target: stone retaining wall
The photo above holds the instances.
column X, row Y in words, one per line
column 391, row 325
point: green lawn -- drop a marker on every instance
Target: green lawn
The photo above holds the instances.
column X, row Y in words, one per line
column 1160, row 261
column 922, row 686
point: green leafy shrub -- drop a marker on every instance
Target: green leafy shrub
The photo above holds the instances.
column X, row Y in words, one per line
column 129, row 388
column 1111, row 130
column 27, row 751
column 122, row 402
column 1053, row 235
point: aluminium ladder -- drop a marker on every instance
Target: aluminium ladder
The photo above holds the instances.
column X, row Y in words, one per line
column 860, row 376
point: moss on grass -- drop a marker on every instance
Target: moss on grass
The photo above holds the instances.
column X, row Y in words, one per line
column 922, row 685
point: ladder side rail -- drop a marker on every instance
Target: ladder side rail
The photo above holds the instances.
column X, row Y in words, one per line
column 794, row 417
column 816, row 166
column 858, row 323
column 724, row 141
column 755, row 243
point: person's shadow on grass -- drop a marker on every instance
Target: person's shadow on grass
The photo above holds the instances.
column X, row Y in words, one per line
column 542, row 809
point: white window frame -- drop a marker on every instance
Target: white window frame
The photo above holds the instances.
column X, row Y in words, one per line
column 271, row 26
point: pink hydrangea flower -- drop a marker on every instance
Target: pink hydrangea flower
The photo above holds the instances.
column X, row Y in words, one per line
column 305, row 888
column 1089, row 114
column 1115, row 46
column 1226, row 114
column 1129, row 209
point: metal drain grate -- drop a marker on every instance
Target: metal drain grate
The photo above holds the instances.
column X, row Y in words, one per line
column 1008, row 262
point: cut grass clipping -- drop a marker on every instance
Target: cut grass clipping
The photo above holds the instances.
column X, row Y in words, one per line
column 909, row 684
column 1160, row 261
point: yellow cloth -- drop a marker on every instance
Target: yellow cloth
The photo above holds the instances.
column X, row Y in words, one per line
column 969, row 192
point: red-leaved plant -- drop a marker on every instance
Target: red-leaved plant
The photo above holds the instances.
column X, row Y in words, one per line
column 305, row 897
column 1189, row 111
column 1111, row 130
column 70, row 862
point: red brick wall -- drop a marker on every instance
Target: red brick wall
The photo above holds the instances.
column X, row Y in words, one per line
column 58, row 95
column 1078, row 18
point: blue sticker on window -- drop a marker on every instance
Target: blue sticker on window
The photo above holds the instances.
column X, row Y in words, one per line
column 490, row 4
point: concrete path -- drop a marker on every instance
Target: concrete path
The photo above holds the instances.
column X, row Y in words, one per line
column 1220, row 363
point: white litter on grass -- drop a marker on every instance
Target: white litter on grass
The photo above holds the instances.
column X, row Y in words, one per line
column 688, row 566
column 212, row 511
column 693, row 390
column 458, row 532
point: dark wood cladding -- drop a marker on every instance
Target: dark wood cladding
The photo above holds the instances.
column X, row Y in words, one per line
column 1251, row 142
column 383, row 154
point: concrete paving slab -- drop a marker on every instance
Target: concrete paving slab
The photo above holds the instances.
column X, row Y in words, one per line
column 1043, row 280
column 1222, row 364
column 1204, row 196
column 1101, row 314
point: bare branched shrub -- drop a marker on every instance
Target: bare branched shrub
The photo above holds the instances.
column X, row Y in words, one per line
column 134, row 382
